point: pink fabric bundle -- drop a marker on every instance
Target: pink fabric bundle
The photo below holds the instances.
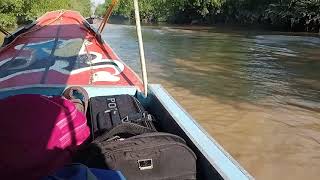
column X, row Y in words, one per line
column 38, row 135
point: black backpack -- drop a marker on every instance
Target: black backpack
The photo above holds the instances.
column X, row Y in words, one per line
column 146, row 156
column 108, row 112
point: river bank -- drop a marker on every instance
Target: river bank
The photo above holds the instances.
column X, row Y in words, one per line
column 291, row 15
column 203, row 28
column 229, row 28
column 118, row 19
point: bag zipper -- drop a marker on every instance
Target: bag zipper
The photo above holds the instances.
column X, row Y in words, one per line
column 152, row 135
column 109, row 153
column 148, row 135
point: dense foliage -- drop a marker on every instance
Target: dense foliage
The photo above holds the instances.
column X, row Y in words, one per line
column 13, row 12
column 300, row 15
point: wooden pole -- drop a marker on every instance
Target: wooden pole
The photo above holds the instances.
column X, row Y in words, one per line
column 141, row 48
column 107, row 15
column 4, row 31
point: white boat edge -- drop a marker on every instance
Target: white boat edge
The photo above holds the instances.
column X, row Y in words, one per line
column 220, row 159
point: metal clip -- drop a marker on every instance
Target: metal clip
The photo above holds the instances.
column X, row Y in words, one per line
column 107, row 111
column 125, row 120
column 144, row 115
column 115, row 138
column 145, row 164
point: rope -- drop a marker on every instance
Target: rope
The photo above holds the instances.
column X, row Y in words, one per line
column 107, row 16
column 5, row 32
column 90, row 61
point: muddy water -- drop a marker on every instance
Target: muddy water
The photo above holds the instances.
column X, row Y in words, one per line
column 256, row 93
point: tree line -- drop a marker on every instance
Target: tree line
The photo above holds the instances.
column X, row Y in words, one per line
column 291, row 15
column 17, row 12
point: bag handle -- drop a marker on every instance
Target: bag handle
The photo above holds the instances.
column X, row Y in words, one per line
column 72, row 93
column 125, row 128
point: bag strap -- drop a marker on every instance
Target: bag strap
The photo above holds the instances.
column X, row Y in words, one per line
column 136, row 117
column 125, row 128
column 141, row 118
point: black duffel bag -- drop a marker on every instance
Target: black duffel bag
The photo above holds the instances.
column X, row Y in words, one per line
column 148, row 156
column 108, row 112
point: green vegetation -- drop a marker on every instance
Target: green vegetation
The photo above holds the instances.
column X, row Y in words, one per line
column 294, row 15
column 15, row 12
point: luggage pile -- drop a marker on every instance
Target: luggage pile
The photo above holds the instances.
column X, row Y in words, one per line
column 46, row 133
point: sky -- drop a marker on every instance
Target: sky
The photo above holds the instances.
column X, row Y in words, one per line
column 96, row 2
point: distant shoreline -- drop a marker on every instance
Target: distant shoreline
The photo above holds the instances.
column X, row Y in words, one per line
column 207, row 27
column 218, row 28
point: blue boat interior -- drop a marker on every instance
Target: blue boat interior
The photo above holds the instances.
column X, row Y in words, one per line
column 213, row 161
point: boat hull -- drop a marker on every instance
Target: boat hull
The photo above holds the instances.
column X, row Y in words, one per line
column 61, row 48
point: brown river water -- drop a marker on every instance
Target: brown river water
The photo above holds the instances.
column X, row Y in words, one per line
column 257, row 93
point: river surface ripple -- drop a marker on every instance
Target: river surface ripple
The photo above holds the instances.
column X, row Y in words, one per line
column 257, row 93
